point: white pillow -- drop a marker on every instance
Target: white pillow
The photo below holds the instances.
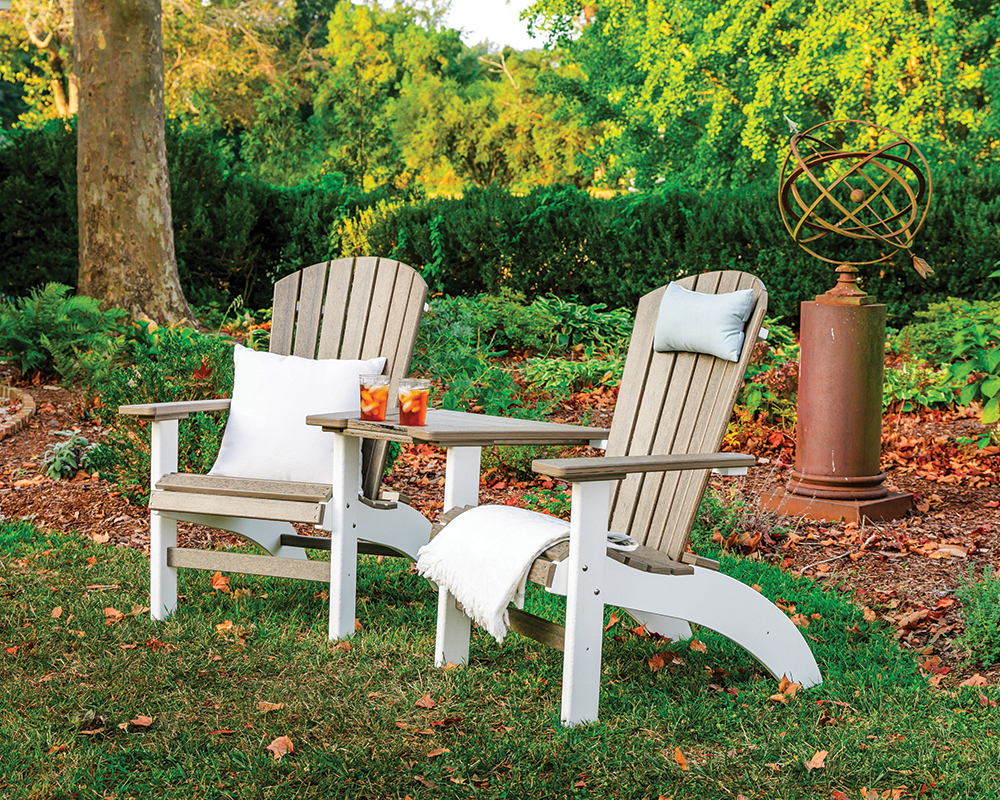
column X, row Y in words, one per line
column 266, row 434
column 703, row 323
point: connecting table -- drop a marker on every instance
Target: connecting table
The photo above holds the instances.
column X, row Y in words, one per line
column 463, row 436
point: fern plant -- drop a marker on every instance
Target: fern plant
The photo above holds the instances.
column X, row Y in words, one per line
column 47, row 331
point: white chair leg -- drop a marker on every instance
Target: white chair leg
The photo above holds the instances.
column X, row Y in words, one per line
column 454, row 629
column 342, row 517
column 725, row 605
column 671, row 628
column 585, row 600
column 162, row 579
column 162, row 531
column 461, row 488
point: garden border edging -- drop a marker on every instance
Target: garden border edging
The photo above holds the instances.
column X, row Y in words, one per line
column 20, row 419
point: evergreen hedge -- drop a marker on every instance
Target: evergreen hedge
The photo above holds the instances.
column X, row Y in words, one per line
column 235, row 235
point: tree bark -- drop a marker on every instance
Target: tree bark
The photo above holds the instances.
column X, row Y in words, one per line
column 126, row 232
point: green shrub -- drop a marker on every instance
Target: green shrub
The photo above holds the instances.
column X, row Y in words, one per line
column 915, row 384
column 153, row 366
column 48, row 331
column 981, row 608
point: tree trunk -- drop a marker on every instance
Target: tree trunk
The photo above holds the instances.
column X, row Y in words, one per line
column 126, row 231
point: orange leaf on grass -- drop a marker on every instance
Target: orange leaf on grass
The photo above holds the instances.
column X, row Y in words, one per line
column 142, row 722
column 975, row 680
column 612, row 622
column 426, row 701
column 220, row 582
column 281, row 746
column 437, row 752
column 701, row 647
column 264, row 706
column 817, row 761
column 656, row 662
column 681, row 761
column 57, row 612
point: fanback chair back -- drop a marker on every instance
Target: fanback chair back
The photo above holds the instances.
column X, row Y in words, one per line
column 675, row 403
column 341, row 309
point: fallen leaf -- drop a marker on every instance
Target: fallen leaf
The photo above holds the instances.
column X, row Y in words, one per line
column 92, row 560
column 112, row 615
column 681, row 761
column 612, row 621
column 342, row 646
column 817, row 761
column 264, row 706
column 142, row 722
column 220, row 583
column 437, row 752
column 800, row 621
column 870, row 616
column 56, row 749
column 699, row 646
column 225, row 626
column 656, row 662
column 101, row 538
column 426, row 701
column 221, row 733
column 425, row 782
column 57, row 612
column 975, row 680
column 155, row 644
column 280, row 747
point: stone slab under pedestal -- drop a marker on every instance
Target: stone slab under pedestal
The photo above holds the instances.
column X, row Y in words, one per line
column 893, row 506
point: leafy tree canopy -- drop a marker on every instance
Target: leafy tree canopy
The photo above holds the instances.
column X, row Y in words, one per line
column 700, row 89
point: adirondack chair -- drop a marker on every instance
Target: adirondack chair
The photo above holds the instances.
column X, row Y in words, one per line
column 345, row 309
column 670, row 418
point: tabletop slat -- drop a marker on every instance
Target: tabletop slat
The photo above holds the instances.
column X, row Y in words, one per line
column 459, row 429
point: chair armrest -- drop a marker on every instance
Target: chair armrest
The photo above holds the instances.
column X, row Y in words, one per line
column 179, row 410
column 581, row 470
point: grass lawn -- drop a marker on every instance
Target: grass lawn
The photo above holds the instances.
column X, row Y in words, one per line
column 98, row 701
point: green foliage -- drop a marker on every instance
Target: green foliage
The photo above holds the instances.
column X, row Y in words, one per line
column 559, row 377
column 981, row 609
column 154, row 366
column 63, row 459
column 564, row 242
column 47, row 331
column 556, row 501
column 770, row 392
column 578, row 324
column 701, row 90
column 964, row 338
column 915, row 384
column 38, row 222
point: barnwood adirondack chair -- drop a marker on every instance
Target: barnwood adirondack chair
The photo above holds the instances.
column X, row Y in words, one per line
column 347, row 309
column 670, row 418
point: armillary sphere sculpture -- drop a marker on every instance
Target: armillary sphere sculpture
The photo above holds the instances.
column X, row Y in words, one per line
column 847, row 180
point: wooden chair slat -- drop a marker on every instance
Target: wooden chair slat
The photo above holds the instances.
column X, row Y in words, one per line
column 286, row 295
column 310, row 309
column 335, row 307
column 356, row 320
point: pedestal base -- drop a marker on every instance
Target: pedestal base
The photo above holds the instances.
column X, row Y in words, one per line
column 892, row 506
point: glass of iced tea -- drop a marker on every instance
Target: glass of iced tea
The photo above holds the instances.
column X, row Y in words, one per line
column 374, row 396
column 413, row 396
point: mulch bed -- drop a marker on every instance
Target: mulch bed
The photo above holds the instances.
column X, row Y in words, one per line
column 905, row 570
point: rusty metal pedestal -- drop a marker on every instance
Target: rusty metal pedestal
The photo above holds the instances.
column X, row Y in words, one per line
column 838, row 438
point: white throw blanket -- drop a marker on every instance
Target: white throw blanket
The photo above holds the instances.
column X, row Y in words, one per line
column 483, row 557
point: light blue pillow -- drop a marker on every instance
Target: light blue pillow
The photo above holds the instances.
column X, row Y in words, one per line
column 702, row 323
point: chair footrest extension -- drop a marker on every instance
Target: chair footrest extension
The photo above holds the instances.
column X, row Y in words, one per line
column 249, row 564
